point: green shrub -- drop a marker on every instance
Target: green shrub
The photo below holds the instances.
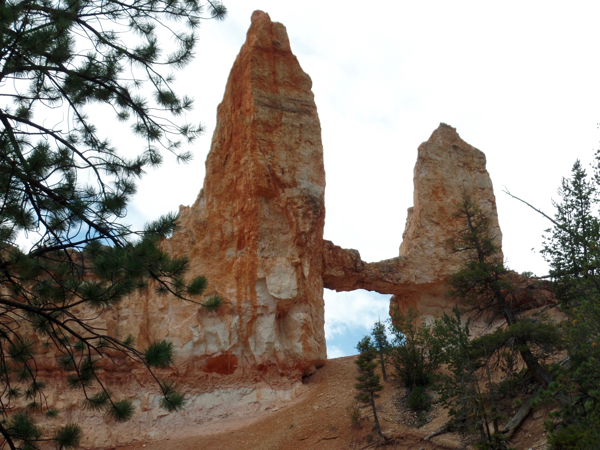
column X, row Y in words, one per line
column 353, row 411
column 418, row 400
column 414, row 354
column 571, row 437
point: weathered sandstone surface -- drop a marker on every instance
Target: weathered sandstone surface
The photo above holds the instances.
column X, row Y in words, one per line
column 447, row 168
column 344, row 270
column 256, row 228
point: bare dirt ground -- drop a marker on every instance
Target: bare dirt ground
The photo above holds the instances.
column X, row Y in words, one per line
column 318, row 420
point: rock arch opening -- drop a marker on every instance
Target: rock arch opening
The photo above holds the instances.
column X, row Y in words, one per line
column 351, row 315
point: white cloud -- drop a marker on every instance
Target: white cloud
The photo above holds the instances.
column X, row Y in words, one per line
column 349, row 316
column 335, row 352
column 355, row 311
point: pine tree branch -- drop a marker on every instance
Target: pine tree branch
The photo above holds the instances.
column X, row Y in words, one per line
column 7, row 437
column 539, row 211
column 445, row 429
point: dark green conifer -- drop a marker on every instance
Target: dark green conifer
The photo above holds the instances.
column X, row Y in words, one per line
column 572, row 249
column 368, row 382
column 414, row 355
column 483, row 284
column 64, row 244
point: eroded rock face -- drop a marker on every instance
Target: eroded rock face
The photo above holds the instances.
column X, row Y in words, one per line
column 447, row 168
column 256, row 233
column 256, row 229
column 344, row 270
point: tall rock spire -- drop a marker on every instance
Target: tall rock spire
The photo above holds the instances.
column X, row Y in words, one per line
column 256, row 229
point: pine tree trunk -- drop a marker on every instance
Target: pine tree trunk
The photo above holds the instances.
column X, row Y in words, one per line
column 375, row 416
column 534, row 366
column 529, row 358
column 382, row 366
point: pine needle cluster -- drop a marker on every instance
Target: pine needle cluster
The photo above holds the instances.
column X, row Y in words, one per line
column 368, row 384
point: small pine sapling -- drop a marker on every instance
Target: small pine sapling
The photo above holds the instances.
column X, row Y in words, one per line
column 353, row 411
column 368, row 382
column 459, row 388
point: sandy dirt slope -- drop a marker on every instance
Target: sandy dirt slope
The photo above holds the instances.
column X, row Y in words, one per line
column 318, row 420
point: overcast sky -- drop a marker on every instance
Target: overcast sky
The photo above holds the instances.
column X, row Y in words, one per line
column 518, row 80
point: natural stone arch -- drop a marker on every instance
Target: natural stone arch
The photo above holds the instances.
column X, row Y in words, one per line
column 256, row 229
